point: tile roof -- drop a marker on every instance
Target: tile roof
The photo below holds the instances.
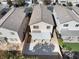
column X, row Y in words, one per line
column 64, row 14
column 41, row 14
column 14, row 21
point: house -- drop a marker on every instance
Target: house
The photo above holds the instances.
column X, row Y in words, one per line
column 41, row 44
column 4, row 2
column 31, row 3
column 43, row 49
column 13, row 27
column 67, row 24
column 62, row 2
column 3, row 10
column 74, row 2
column 41, row 23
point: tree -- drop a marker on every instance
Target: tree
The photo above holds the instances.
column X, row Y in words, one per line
column 11, row 55
column 46, row 2
column 61, row 42
column 9, row 2
column 69, row 4
column 20, row 2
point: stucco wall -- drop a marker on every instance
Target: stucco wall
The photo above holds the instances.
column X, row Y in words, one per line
column 8, row 34
column 42, row 27
column 71, row 25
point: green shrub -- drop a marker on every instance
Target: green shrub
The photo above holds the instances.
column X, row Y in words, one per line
column 61, row 42
column 9, row 2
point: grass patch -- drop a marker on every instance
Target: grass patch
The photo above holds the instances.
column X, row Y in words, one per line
column 73, row 46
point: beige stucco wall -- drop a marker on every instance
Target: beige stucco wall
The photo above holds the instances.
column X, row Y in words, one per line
column 7, row 33
column 42, row 27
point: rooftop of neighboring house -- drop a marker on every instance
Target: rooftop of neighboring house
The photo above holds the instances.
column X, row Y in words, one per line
column 64, row 14
column 14, row 20
column 41, row 14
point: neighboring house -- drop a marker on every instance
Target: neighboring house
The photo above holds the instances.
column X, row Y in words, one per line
column 13, row 27
column 53, row 1
column 74, row 2
column 3, row 10
column 31, row 3
column 67, row 23
column 41, row 23
column 62, row 2
column 4, row 2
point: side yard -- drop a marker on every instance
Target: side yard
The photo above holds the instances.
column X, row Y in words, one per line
column 69, row 46
column 73, row 46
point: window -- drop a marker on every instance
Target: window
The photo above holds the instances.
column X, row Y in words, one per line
column 65, row 25
column 35, row 27
column 48, row 27
column 77, row 25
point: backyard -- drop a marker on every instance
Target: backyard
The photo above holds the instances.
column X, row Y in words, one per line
column 73, row 46
column 69, row 46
